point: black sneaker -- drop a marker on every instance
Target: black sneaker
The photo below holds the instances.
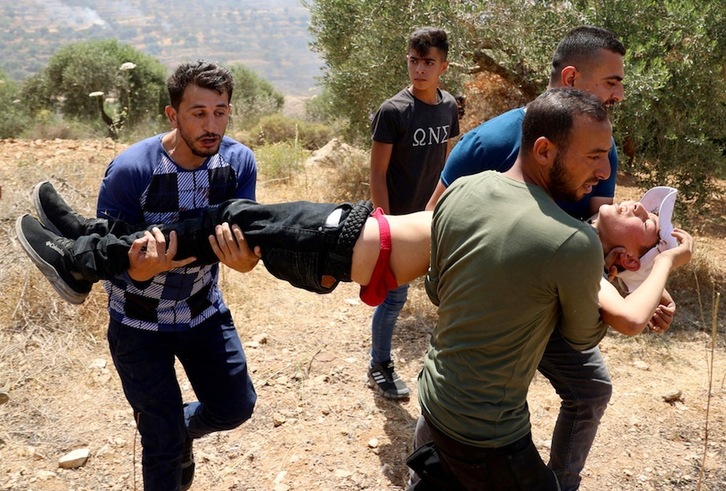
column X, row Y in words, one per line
column 383, row 376
column 187, row 464
column 52, row 255
column 56, row 215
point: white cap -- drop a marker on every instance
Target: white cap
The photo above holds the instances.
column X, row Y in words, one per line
column 659, row 200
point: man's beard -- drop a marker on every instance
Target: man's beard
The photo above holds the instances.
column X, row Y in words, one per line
column 205, row 152
column 200, row 152
column 561, row 186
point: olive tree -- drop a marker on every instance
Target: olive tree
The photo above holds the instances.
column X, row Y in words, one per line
column 675, row 104
column 675, row 107
column 253, row 97
column 363, row 44
column 135, row 83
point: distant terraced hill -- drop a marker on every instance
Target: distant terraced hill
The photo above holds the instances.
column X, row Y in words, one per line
column 269, row 37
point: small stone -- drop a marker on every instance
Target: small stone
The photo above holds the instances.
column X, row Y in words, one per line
column 98, row 363
column 321, row 379
column 31, row 452
column 76, row 458
column 373, row 443
column 280, row 477
column 261, row 338
column 673, row 396
column 325, row 357
column 101, row 376
column 279, row 485
column 45, row 475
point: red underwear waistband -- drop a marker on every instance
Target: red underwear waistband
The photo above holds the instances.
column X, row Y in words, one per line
column 382, row 279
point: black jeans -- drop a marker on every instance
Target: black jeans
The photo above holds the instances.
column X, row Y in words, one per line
column 300, row 241
column 445, row 464
column 216, row 365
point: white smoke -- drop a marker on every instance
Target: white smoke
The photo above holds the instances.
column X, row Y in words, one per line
column 72, row 16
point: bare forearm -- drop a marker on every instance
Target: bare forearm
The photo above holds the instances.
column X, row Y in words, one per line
column 380, row 160
column 379, row 193
column 631, row 314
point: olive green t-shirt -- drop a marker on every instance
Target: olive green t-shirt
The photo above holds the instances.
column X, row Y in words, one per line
column 507, row 266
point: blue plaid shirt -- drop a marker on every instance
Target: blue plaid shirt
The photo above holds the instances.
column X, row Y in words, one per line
column 143, row 185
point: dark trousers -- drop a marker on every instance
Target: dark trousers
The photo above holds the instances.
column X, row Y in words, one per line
column 215, row 364
column 299, row 243
column 445, row 464
column 582, row 381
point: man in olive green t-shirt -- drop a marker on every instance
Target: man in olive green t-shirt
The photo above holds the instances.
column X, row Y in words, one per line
column 507, row 265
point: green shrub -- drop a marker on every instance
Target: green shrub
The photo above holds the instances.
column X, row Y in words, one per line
column 315, row 135
column 278, row 128
column 49, row 126
column 15, row 115
column 280, row 160
column 350, row 182
column 275, row 128
column 145, row 129
column 253, row 97
column 320, row 109
column 14, row 121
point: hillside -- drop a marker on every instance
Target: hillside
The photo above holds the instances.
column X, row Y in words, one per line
column 269, row 37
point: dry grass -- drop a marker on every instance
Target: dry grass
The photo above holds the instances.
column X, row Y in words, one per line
column 315, row 422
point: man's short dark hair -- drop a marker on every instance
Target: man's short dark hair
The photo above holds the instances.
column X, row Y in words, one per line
column 425, row 38
column 552, row 115
column 579, row 48
column 202, row 73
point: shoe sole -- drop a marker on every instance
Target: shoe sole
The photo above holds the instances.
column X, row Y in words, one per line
column 187, row 468
column 394, row 397
column 187, row 485
column 60, row 286
column 41, row 212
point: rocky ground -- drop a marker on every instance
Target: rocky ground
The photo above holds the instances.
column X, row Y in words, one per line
column 317, row 426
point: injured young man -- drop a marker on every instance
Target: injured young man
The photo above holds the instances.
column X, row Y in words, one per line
column 315, row 246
